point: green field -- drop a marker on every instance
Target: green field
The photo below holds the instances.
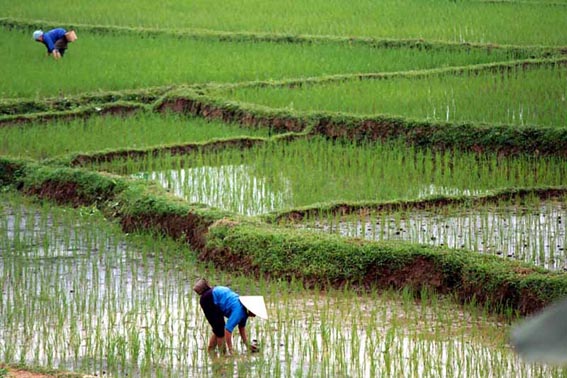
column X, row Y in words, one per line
column 521, row 22
column 307, row 172
column 520, row 97
column 99, row 62
column 391, row 176
column 52, row 139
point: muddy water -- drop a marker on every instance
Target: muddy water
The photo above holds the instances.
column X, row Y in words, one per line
column 77, row 294
column 535, row 233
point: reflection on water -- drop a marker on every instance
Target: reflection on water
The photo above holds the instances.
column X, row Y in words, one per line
column 117, row 307
column 230, row 187
column 434, row 190
column 238, row 189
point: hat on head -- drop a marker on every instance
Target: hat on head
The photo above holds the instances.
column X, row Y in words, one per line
column 255, row 304
column 37, row 34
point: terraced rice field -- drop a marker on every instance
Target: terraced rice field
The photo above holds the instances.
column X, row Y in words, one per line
column 520, row 97
column 266, row 178
column 532, row 231
column 81, row 295
column 425, row 130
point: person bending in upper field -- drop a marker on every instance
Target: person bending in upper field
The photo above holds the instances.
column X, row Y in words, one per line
column 56, row 40
column 219, row 302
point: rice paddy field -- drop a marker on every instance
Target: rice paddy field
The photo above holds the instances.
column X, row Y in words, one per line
column 519, row 97
column 163, row 60
column 533, row 231
column 281, row 116
column 110, row 133
column 267, row 177
column 81, row 295
column 499, row 22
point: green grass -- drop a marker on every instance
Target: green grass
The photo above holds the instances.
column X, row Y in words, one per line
column 49, row 139
column 536, row 96
column 277, row 176
column 470, row 21
column 114, row 62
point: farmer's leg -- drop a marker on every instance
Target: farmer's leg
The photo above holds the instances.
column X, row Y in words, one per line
column 61, row 45
column 214, row 317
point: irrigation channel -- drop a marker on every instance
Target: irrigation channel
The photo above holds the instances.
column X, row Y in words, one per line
column 78, row 294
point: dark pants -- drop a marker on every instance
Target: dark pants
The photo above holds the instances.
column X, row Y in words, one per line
column 213, row 314
column 61, row 45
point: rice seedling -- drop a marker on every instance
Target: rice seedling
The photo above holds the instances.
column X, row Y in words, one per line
column 278, row 176
column 78, row 294
column 521, row 97
column 172, row 61
column 532, row 231
column 49, row 139
column 514, row 22
column 122, row 305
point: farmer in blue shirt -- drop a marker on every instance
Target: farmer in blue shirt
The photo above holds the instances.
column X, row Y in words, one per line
column 219, row 302
column 56, row 40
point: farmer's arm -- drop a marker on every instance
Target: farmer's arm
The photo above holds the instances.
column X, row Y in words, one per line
column 228, row 339
column 244, row 336
column 231, row 323
column 236, row 318
column 49, row 43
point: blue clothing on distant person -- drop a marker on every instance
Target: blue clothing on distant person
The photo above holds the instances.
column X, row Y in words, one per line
column 50, row 37
column 231, row 307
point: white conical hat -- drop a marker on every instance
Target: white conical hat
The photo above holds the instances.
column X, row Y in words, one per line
column 255, row 304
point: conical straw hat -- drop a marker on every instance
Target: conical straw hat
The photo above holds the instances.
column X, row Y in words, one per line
column 255, row 304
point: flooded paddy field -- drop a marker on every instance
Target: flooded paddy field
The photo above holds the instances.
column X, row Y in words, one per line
column 279, row 176
column 78, row 294
column 534, row 231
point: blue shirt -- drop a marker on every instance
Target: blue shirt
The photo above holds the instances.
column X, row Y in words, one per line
column 50, row 37
column 228, row 302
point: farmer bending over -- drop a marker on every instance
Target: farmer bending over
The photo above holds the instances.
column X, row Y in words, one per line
column 219, row 302
column 55, row 40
